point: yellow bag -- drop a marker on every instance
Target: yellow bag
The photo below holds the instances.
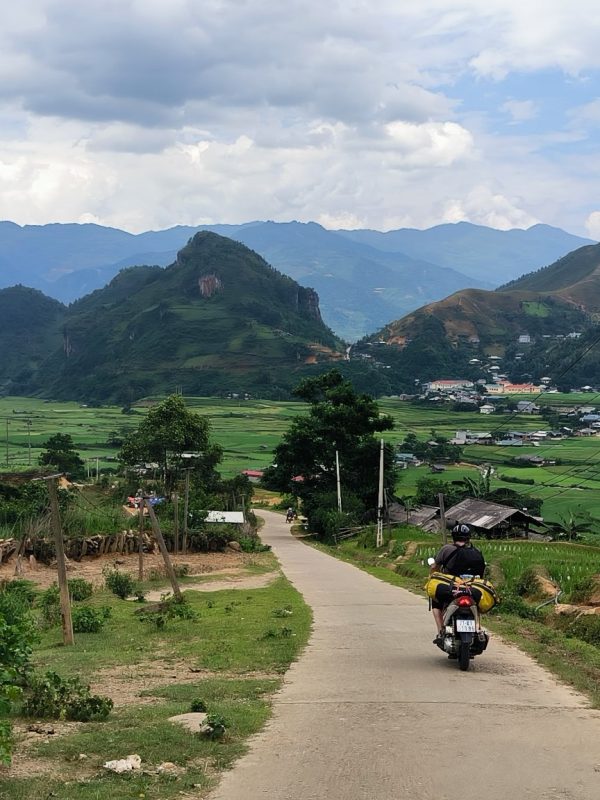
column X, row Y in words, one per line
column 489, row 596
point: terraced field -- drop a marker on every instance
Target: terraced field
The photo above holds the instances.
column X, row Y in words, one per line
column 249, row 430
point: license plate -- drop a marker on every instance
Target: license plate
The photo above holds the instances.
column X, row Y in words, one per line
column 465, row 626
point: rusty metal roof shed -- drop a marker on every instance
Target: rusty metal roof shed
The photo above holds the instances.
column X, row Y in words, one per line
column 485, row 515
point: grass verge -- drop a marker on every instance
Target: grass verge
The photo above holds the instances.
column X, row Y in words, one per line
column 231, row 656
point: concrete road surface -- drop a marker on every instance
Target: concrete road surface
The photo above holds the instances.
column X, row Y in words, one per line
column 374, row 711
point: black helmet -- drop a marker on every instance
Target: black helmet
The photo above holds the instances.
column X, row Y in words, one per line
column 461, row 533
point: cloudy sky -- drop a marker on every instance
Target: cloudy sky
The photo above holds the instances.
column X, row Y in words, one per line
column 149, row 113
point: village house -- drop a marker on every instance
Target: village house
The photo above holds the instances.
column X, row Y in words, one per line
column 486, row 408
column 449, row 385
column 253, row 475
column 527, row 407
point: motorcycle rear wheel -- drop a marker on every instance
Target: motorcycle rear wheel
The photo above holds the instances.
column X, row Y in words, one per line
column 464, row 656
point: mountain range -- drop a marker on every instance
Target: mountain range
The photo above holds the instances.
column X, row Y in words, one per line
column 545, row 324
column 364, row 278
column 217, row 320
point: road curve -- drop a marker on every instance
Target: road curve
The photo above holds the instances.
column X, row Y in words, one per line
column 373, row 711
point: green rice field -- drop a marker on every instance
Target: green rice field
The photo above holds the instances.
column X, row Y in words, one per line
column 249, row 430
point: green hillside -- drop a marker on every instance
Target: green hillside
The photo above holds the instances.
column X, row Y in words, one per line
column 29, row 332
column 219, row 319
column 565, row 276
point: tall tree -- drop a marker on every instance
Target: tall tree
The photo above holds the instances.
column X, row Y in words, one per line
column 169, row 430
column 60, row 453
column 338, row 419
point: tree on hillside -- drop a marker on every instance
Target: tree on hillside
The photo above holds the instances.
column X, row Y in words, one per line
column 339, row 420
column 169, row 430
column 61, row 454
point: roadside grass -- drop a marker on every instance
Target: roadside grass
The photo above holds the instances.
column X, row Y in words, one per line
column 550, row 640
column 241, row 645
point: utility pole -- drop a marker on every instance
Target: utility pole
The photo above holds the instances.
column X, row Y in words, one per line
column 175, row 523
column 443, row 530
column 97, row 469
column 379, row 539
column 65, row 600
column 141, row 544
column 186, row 503
column 163, row 549
column 7, row 441
column 29, row 442
column 339, row 487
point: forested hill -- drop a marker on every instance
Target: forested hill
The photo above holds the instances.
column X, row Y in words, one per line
column 364, row 278
column 218, row 319
column 29, row 331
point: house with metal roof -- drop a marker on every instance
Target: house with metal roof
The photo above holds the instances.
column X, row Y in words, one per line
column 491, row 519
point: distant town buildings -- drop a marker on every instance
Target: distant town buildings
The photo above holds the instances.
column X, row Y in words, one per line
column 449, row 385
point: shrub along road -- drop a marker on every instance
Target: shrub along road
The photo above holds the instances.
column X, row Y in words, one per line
column 373, row 710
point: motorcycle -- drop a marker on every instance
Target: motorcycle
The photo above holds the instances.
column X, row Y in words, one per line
column 462, row 637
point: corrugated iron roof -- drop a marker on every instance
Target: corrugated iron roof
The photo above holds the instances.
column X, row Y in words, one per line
column 482, row 514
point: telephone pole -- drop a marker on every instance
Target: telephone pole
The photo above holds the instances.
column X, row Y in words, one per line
column 379, row 539
column 61, row 564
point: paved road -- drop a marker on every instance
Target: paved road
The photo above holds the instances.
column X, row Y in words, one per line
column 373, row 711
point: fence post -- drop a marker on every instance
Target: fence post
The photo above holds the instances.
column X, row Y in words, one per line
column 65, row 600
column 163, row 549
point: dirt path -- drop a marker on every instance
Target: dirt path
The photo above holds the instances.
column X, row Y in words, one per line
column 249, row 582
column 373, row 711
column 91, row 569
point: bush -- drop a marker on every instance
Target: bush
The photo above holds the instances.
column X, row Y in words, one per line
column 49, row 604
column 52, row 697
column 23, row 588
column 252, row 544
column 119, row 583
column 87, row 619
column 197, row 705
column 513, row 604
column 80, row 589
column 214, row 727
column 583, row 589
column 587, row 628
column 17, row 636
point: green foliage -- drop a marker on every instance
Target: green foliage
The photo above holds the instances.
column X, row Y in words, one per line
column 168, row 609
column 214, row 727
column 583, row 588
column 49, row 605
column 339, row 420
column 87, row 619
column 436, row 448
column 51, row 696
column 169, row 430
column 17, row 637
column 119, row 583
column 60, row 454
column 252, row 544
column 197, row 705
column 20, row 586
column 80, row 589
column 586, row 628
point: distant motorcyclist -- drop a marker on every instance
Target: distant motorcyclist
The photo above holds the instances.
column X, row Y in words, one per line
column 458, row 558
column 289, row 515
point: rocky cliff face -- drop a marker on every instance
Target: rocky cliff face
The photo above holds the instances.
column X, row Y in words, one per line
column 308, row 304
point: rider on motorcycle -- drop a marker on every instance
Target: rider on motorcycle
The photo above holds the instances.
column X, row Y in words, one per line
column 457, row 559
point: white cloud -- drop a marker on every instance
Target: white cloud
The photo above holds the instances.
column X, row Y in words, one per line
column 147, row 113
column 592, row 225
column 431, row 144
column 482, row 206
